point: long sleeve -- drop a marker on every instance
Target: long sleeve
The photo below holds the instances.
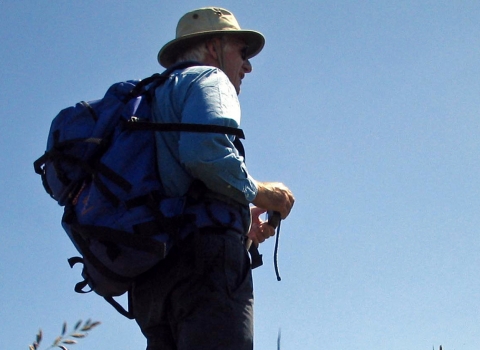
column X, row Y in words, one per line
column 205, row 96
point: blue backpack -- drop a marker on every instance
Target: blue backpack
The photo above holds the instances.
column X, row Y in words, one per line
column 100, row 164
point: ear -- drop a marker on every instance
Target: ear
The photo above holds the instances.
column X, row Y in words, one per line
column 212, row 46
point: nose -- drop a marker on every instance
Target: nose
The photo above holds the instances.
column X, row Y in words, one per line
column 247, row 66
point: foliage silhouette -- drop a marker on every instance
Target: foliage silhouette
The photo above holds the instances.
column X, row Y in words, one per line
column 79, row 331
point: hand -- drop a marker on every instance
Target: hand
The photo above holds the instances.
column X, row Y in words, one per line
column 274, row 196
column 260, row 230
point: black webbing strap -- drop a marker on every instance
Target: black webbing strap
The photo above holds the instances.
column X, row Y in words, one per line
column 256, row 257
column 275, row 253
column 274, row 220
column 188, row 127
column 117, row 179
column 37, row 165
column 114, row 177
column 79, row 288
column 128, row 314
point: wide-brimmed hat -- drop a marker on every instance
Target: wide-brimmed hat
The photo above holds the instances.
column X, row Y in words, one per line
column 205, row 22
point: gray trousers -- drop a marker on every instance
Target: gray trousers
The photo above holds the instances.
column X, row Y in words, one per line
column 200, row 297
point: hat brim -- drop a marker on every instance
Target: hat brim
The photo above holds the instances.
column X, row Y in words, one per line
column 169, row 52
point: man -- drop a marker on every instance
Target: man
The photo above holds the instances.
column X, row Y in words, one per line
column 201, row 295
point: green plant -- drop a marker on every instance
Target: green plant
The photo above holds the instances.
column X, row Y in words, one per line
column 79, row 331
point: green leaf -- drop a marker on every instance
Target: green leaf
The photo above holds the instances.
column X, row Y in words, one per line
column 95, row 324
column 89, row 325
column 57, row 341
column 39, row 336
column 77, row 325
column 86, row 326
column 78, row 335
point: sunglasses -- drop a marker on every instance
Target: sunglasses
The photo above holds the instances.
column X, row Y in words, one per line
column 243, row 53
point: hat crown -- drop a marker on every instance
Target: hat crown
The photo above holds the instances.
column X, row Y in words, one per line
column 206, row 20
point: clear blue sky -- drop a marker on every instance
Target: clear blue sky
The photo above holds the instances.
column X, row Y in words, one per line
column 367, row 110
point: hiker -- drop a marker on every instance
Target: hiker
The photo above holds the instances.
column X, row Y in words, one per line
column 201, row 295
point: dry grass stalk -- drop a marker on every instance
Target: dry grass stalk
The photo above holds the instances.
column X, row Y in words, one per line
column 79, row 331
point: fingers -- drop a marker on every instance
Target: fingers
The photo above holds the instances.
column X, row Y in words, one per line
column 260, row 232
column 256, row 212
column 267, row 231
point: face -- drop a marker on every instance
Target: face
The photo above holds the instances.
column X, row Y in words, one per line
column 235, row 62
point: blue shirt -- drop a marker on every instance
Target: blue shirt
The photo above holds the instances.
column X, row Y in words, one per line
column 201, row 95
